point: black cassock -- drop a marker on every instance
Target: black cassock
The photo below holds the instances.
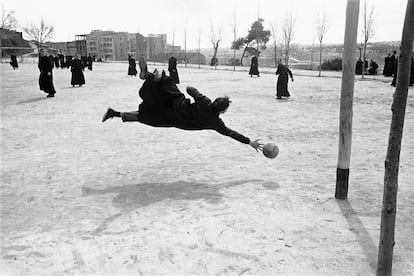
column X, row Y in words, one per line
column 90, row 62
column 132, row 68
column 77, row 72
column 13, row 62
column 56, row 60
column 46, row 75
column 172, row 68
column 254, row 67
column 62, row 61
column 282, row 81
column 387, row 67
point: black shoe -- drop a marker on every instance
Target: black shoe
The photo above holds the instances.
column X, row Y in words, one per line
column 109, row 114
column 143, row 68
column 279, row 97
column 50, row 95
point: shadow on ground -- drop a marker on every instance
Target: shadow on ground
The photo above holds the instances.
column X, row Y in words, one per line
column 33, row 100
column 136, row 196
column 357, row 227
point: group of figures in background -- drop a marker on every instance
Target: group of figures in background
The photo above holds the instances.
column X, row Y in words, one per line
column 390, row 68
column 78, row 65
column 46, row 64
column 282, row 81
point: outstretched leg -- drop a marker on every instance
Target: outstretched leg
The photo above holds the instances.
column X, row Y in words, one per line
column 110, row 113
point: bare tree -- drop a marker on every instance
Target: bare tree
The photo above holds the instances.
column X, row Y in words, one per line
column 367, row 29
column 274, row 35
column 199, row 46
column 173, row 42
column 215, row 38
column 321, row 29
column 313, row 46
column 8, row 19
column 392, row 161
column 185, row 46
column 287, row 31
column 39, row 33
column 234, row 29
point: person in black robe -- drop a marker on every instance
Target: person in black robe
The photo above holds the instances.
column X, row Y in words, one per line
column 84, row 61
column 132, row 67
column 62, row 61
column 90, row 62
column 77, row 72
column 394, row 75
column 373, row 67
column 282, row 81
column 56, row 61
column 358, row 67
column 52, row 61
column 13, row 62
column 172, row 68
column 254, row 67
column 387, row 66
column 164, row 105
column 68, row 61
column 392, row 62
column 46, row 75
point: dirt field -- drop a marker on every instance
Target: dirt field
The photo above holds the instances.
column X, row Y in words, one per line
column 82, row 197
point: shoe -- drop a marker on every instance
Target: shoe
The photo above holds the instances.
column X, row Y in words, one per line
column 279, row 97
column 50, row 95
column 109, row 114
column 143, row 68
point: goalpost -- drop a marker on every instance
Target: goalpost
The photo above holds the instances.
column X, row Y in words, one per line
column 389, row 207
column 5, row 48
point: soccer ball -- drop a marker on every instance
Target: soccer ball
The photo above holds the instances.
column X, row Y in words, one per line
column 270, row 150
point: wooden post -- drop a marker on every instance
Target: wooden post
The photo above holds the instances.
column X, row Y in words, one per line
column 347, row 94
column 392, row 161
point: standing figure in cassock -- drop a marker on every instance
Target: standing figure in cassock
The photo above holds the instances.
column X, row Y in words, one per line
column 254, row 67
column 387, row 66
column 394, row 76
column 132, row 67
column 62, row 61
column 358, row 67
column 52, row 61
column 282, row 81
column 68, row 61
column 77, row 72
column 13, row 62
column 46, row 75
column 172, row 68
column 90, row 62
column 56, row 61
column 392, row 62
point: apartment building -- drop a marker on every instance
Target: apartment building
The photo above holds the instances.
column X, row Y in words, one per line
column 108, row 45
column 137, row 46
column 156, row 44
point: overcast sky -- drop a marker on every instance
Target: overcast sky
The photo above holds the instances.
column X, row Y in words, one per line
column 174, row 16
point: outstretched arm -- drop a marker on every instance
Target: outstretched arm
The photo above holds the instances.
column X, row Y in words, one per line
column 290, row 74
column 222, row 129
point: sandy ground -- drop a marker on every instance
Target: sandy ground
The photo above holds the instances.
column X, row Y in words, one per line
column 79, row 196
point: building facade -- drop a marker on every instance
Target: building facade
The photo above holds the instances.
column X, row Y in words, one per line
column 108, row 45
column 156, row 44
